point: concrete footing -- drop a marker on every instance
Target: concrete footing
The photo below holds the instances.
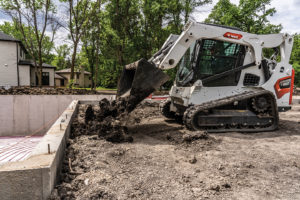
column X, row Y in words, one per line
column 35, row 177
column 22, row 115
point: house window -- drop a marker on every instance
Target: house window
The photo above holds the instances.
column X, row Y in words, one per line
column 77, row 76
column 45, row 78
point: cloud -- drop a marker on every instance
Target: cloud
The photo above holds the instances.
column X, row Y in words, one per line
column 4, row 20
column 287, row 14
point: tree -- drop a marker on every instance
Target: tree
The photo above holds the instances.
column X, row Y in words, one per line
column 295, row 58
column 138, row 28
column 124, row 22
column 250, row 16
column 77, row 21
column 31, row 18
column 10, row 28
column 92, row 38
column 61, row 59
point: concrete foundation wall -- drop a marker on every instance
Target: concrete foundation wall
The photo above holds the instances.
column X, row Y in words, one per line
column 22, row 115
column 35, row 177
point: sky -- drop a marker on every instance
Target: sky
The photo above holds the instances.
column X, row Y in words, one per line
column 288, row 14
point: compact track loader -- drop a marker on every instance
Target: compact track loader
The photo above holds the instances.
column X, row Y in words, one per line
column 227, row 80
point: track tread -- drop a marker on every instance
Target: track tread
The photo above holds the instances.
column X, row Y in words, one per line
column 194, row 109
column 165, row 110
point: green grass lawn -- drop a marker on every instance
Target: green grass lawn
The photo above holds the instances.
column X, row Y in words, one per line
column 102, row 88
column 98, row 88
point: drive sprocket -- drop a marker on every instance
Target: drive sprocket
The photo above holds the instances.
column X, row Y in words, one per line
column 261, row 103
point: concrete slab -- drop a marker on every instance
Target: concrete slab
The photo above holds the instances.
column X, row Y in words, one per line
column 14, row 149
column 35, row 177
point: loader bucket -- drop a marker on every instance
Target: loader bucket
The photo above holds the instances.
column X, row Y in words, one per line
column 139, row 80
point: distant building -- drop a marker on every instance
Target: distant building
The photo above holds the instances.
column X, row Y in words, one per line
column 60, row 81
column 81, row 78
column 15, row 70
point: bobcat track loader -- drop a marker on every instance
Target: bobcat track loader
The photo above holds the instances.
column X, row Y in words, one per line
column 224, row 82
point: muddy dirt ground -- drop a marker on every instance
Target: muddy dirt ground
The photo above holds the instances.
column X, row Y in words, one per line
column 166, row 162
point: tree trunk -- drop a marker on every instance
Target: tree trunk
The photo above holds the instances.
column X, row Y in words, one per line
column 71, row 84
column 97, row 66
column 40, row 65
column 96, row 73
column 93, row 74
column 40, row 75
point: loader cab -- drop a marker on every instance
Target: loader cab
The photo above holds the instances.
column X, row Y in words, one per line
column 206, row 58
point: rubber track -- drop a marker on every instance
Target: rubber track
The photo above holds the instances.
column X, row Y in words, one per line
column 192, row 110
column 165, row 110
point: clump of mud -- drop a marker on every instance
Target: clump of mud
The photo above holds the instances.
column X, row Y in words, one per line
column 107, row 120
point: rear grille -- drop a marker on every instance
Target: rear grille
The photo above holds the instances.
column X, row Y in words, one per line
column 251, row 80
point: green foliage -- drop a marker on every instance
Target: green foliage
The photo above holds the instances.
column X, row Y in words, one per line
column 112, row 33
column 61, row 60
column 250, row 16
column 71, row 83
column 136, row 29
column 296, row 66
column 13, row 30
column 31, row 18
column 109, row 74
column 295, row 58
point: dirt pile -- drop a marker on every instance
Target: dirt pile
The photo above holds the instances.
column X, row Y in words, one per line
column 99, row 169
column 108, row 120
column 102, row 120
column 165, row 161
column 44, row 91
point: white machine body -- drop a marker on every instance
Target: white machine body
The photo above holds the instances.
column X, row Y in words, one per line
column 280, row 80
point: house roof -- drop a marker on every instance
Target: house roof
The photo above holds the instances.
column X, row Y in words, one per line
column 31, row 63
column 68, row 70
column 57, row 76
column 5, row 37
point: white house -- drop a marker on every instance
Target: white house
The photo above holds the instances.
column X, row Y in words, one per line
column 15, row 70
column 81, row 78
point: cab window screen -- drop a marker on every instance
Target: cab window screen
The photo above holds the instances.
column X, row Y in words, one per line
column 216, row 57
